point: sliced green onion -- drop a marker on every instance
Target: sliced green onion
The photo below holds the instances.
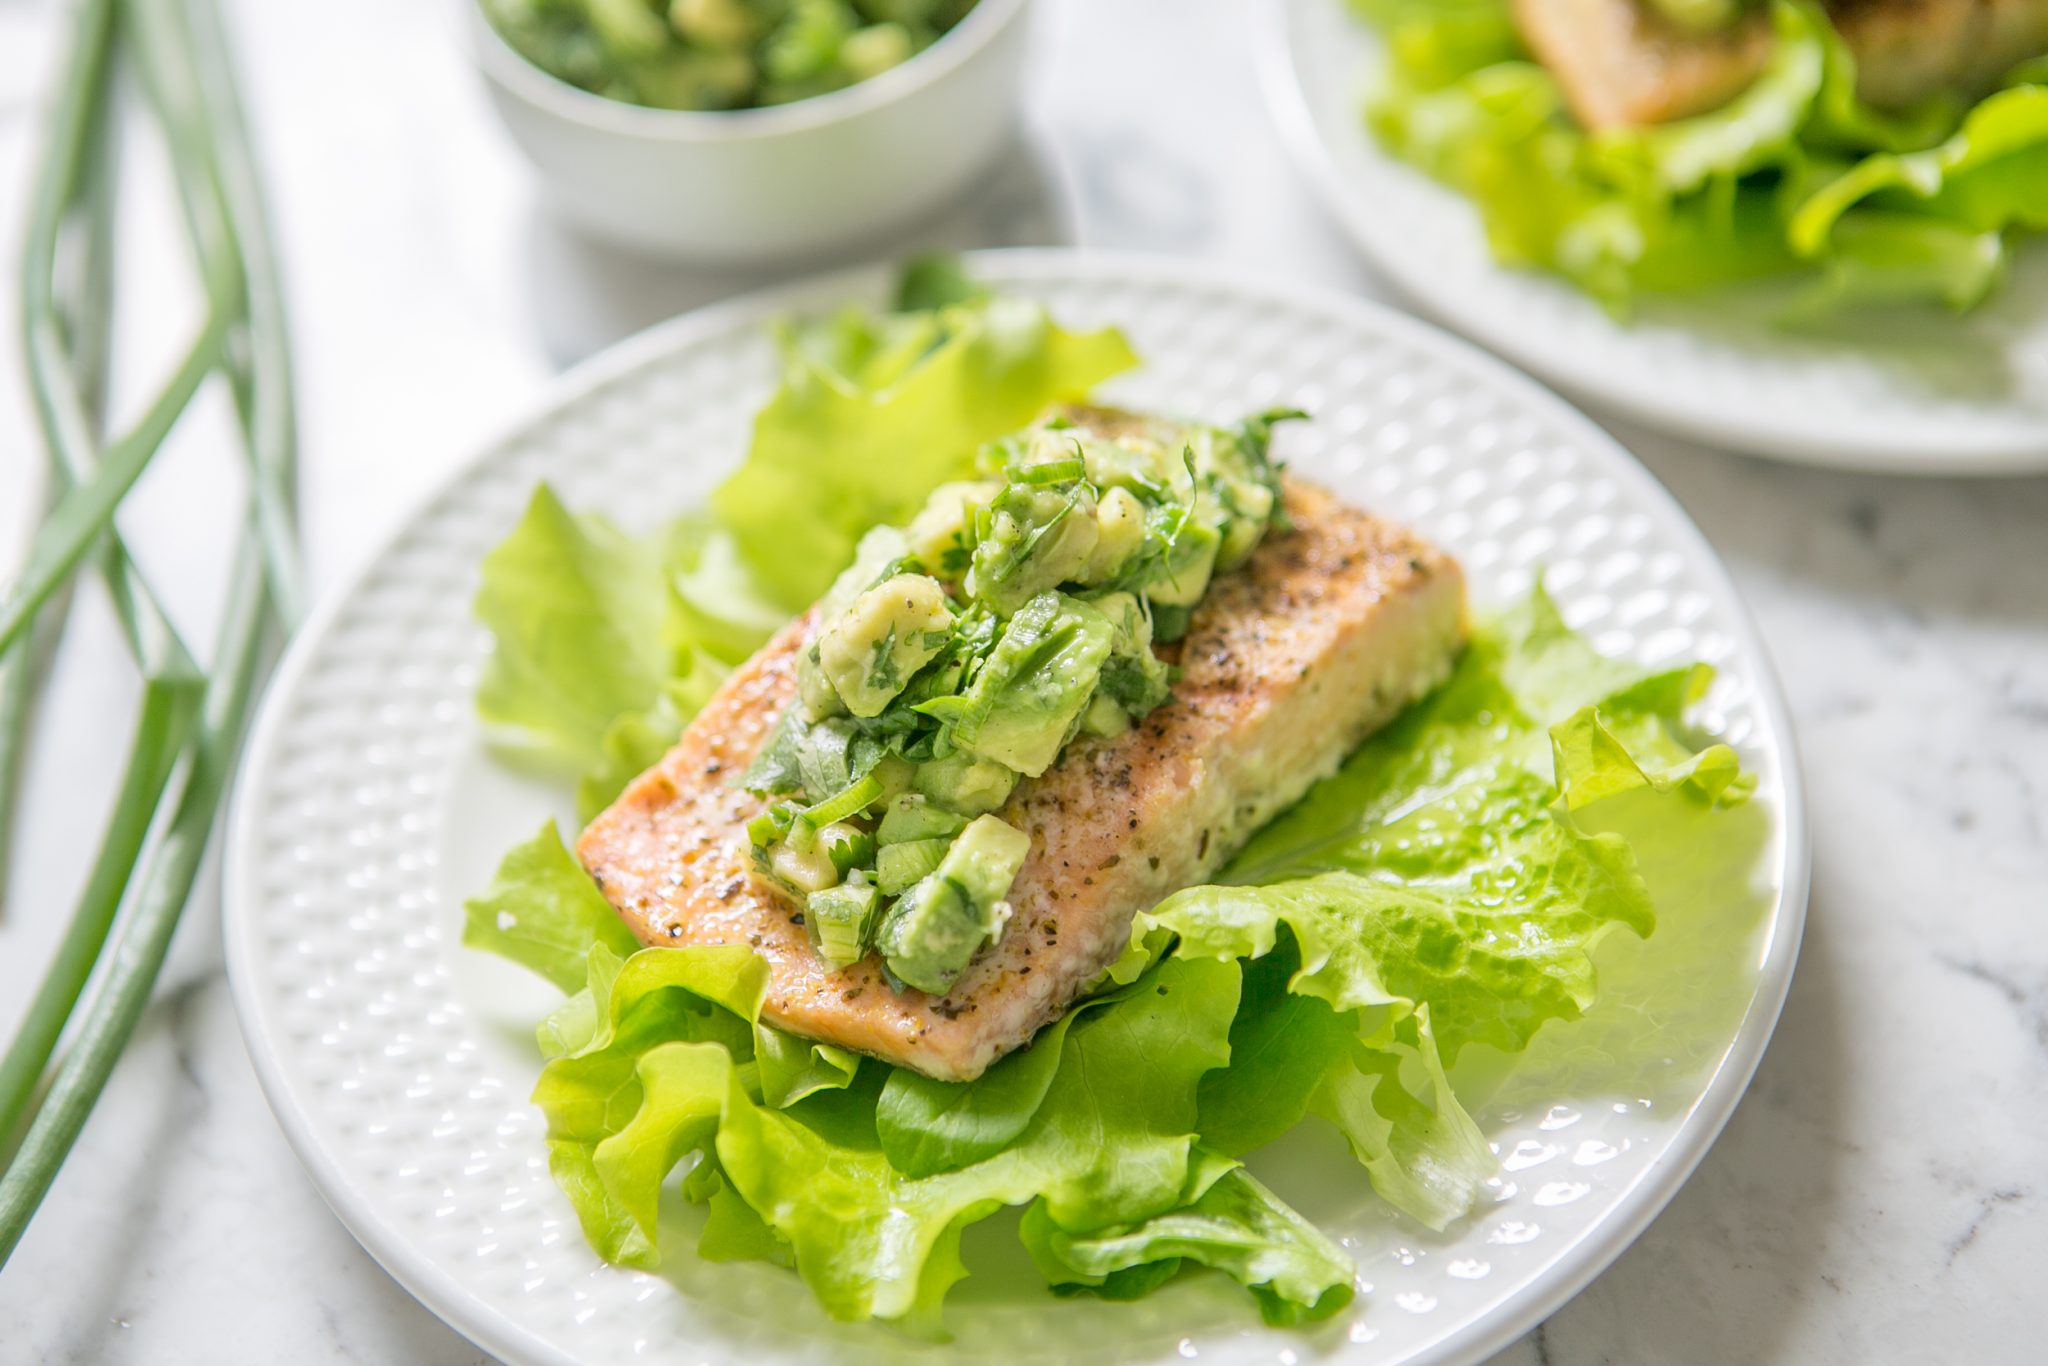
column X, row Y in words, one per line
column 841, row 920
column 771, row 825
column 849, row 801
column 1051, row 472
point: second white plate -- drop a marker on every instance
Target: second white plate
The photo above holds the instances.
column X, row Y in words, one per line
column 1924, row 393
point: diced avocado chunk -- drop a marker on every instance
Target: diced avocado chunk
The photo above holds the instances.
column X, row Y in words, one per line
column 929, row 935
column 1129, row 464
column 628, row 29
column 878, row 551
column 1127, row 617
column 1030, row 694
column 872, row 50
column 899, row 866
column 807, row 870
column 714, row 23
column 943, row 921
column 1170, row 623
column 839, row 919
column 1184, row 577
column 889, row 632
column 1253, row 509
column 1120, row 530
column 815, row 691
column 984, row 860
column 894, row 773
column 691, row 80
column 1037, row 538
column 965, row 783
column 915, row 817
column 1105, row 717
column 934, row 535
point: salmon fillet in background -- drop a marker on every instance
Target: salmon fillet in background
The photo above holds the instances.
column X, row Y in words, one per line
column 1322, row 636
column 1620, row 64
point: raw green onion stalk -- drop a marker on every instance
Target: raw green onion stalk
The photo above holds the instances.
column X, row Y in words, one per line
column 191, row 718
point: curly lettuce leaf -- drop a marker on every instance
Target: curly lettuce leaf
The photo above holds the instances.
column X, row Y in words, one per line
column 1437, row 893
column 1874, row 257
column 1991, row 176
column 581, row 620
column 543, row 912
column 928, row 1126
column 1375, row 1076
column 1110, row 1143
column 1406, row 1126
column 1228, row 1222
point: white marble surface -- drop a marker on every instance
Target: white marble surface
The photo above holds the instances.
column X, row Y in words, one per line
column 1878, row 1195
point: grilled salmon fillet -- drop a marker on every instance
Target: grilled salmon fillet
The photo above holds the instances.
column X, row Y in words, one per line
column 1620, row 64
column 1323, row 635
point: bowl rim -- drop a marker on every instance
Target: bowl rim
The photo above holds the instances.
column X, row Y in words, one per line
column 506, row 66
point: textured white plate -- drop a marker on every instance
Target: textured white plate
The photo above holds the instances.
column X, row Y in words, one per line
column 399, row 1064
column 1914, row 392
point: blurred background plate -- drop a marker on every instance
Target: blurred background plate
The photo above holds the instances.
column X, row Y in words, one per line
column 1926, row 394
column 399, row 1064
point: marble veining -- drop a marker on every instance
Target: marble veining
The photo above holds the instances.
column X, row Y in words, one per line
column 1876, row 1198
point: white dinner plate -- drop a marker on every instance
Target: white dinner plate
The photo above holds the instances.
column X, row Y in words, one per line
column 1910, row 392
column 399, row 1063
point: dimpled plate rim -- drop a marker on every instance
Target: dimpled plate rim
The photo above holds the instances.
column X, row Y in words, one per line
column 440, row 1272
column 1707, row 373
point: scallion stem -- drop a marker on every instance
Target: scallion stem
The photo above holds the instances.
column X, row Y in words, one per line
column 159, row 739
column 264, row 394
column 145, row 934
column 83, row 513
column 183, row 52
column 67, row 403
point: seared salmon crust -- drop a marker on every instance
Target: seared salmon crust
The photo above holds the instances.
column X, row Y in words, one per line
column 1330, row 629
column 1620, row 64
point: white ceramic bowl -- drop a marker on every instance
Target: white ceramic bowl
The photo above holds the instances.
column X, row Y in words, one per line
column 831, row 173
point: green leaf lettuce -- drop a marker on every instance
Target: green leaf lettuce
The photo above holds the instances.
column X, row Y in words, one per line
column 1793, row 176
column 1443, row 892
column 1443, row 908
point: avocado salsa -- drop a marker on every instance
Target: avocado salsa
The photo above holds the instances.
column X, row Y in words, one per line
column 719, row 54
column 962, row 652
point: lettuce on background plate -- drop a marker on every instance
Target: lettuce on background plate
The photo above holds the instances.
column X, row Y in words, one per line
column 1444, row 894
column 1794, row 177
